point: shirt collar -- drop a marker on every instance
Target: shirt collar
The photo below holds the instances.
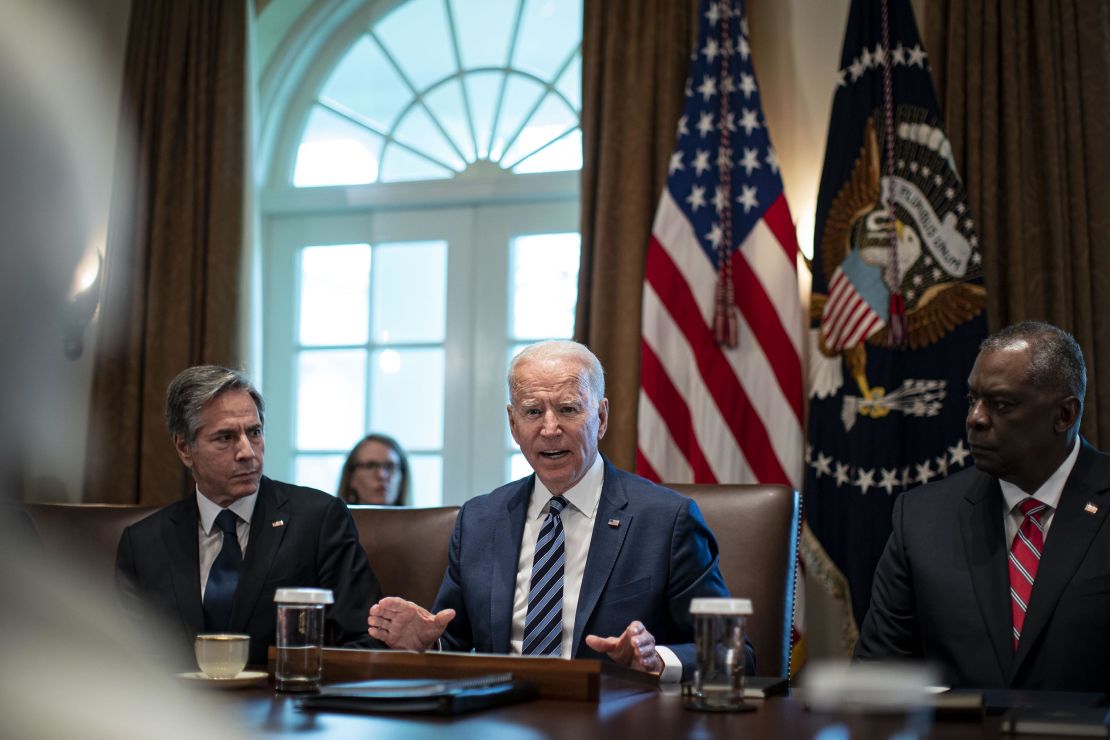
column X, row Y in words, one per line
column 583, row 495
column 209, row 509
column 1050, row 491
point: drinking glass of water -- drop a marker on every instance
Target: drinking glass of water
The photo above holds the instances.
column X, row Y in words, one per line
column 300, row 638
column 719, row 626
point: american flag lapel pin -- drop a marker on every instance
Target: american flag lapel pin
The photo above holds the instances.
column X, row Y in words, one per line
column 614, row 523
column 278, row 523
column 1090, row 508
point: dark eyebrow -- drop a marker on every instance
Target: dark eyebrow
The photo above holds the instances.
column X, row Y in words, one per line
column 996, row 395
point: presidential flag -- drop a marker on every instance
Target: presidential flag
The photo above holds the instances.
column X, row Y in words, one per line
column 898, row 299
column 721, row 396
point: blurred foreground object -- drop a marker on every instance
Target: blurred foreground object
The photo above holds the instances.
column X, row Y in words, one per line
column 833, row 686
column 61, row 641
column 890, row 689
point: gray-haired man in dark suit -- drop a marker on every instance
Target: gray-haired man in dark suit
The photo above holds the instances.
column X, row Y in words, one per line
column 212, row 561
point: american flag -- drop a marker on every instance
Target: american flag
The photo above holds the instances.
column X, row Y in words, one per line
column 709, row 412
column 857, row 305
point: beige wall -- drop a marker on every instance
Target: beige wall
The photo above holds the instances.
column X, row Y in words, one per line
column 796, row 52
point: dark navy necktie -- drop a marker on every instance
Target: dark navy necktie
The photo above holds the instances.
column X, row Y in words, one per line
column 543, row 625
column 219, row 594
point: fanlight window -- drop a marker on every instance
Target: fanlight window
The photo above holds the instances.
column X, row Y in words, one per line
column 396, row 310
column 441, row 88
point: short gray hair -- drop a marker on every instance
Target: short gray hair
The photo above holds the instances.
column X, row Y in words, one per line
column 563, row 349
column 193, row 388
column 1056, row 362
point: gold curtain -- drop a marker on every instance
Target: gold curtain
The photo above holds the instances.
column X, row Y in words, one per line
column 635, row 57
column 172, row 270
column 1025, row 87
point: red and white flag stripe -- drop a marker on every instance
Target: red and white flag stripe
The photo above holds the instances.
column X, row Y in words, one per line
column 710, row 413
column 847, row 319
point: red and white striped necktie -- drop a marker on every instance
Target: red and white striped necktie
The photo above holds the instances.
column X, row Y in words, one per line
column 1025, row 556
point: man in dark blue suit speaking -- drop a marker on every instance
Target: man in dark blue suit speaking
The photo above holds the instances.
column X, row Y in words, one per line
column 580, row 559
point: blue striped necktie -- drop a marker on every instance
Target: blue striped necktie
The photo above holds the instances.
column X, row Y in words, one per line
column 219, row 594
column 543, row 626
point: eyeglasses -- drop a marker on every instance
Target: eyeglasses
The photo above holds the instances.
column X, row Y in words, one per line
column 389, row 467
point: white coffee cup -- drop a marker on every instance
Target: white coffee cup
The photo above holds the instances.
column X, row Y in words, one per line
column 222, row 656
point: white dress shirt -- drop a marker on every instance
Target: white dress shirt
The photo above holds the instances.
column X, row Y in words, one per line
column 211, row 539
column 1049, row 493
column 578, row 530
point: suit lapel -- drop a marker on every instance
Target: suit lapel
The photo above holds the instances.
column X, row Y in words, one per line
column 262, row 547
column 605, row 546
column 507, row 534
column 1075, row 529
column 183, row 543
column 987, row 559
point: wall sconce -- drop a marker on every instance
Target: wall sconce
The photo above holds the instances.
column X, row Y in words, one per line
column 83, row 303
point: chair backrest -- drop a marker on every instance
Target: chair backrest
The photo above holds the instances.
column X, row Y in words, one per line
column 86, row 535
column 756, row 527
column 407, row 548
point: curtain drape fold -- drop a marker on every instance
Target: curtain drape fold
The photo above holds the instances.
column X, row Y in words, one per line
column 174, row 254
column 1025, row 88
column 635, row 58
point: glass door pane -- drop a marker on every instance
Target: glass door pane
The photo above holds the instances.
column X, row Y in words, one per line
column 538, row 247
column 369, row 346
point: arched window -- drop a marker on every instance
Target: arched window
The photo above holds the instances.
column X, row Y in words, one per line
column 419, row 225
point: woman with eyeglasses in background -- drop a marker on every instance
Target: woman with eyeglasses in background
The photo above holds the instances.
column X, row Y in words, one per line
column 376, row 472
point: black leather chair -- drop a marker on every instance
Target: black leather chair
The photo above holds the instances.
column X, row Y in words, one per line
column 757, row 529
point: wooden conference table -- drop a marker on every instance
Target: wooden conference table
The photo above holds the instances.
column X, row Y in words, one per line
column 620, row 708
column 643, row 716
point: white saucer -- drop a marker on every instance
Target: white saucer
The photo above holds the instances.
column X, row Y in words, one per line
column 243, row 679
